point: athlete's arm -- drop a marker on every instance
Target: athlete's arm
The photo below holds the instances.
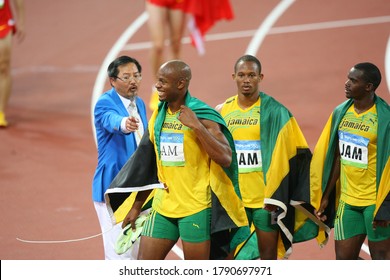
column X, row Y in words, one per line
column 334, row 176
column 210, row 136
column 135, row 210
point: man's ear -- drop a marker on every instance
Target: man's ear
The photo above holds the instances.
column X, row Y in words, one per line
column 111, row 79
column 369, row 87
column 181, row 83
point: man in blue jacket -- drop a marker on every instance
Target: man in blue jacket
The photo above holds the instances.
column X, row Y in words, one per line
column 120, row 120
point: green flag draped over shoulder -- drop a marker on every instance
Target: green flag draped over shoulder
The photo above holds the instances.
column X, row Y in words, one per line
column 286, row 166
column 324, row 154
column 229, row 225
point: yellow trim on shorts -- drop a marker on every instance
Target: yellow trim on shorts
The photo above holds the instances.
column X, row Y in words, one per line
column 339, row 233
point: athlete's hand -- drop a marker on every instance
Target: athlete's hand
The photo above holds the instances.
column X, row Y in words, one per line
column 188, row 117
column 320, row 212
column 131, row 217
column 20, row 32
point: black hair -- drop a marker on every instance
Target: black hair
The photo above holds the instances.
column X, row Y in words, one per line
column 371, row 73
column 112, row 69
column 248, row 58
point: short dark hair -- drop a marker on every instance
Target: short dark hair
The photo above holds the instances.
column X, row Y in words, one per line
column 112, row 69
column 371, row 73
column 248, row 58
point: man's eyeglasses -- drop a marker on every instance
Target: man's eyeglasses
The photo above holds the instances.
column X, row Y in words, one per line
column 127, row 79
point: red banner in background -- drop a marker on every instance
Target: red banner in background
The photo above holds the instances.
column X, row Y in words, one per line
column 204, row 14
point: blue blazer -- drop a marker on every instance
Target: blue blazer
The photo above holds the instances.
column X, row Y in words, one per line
column 114, row 146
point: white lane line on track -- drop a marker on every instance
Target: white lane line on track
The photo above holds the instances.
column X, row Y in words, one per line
column 112, row 54
column 219, row 37
column 266, row 25
column 178, row 251
column 274, row 31
column 330, row 24
column 365, row 249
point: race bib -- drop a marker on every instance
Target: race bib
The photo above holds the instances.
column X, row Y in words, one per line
column 248, row 156
column 353, row 149
column 172, row 149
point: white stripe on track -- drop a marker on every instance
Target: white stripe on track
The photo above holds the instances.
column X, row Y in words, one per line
column 387, row 64
column 330, row 24
column 112, row 54
column 178, row 251
column 266, row 25
column 219, row 37
column 365, row 249
column 274, row 30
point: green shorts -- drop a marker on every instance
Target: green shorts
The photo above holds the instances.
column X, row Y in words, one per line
column 261, row 218
column 355, row 220
column 194, row 228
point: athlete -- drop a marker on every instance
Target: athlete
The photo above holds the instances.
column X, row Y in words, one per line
column 263, row 129
column 167, row 18
column 193, row 151
column 11, row 23
column 351, row 168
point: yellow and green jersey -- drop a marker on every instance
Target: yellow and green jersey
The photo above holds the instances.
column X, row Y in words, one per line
column 358, row 144
column 181, row 153
column 369, row 135
column 245, row 128
column 279, row 155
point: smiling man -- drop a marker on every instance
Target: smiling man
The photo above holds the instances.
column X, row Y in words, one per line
column 190, row 151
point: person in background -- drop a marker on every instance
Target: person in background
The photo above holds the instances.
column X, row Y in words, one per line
column 11, row 23
column 351, row 168
column 166, row 17
column 169, row 18
column 119, row 119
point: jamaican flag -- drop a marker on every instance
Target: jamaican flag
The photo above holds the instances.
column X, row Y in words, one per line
column 286, row 166
column 229, row 225
column 324, row 154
